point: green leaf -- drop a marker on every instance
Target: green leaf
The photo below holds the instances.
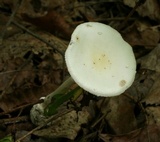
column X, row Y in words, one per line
column 7, row 139
column 59, row 99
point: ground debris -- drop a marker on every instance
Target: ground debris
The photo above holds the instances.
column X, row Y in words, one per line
column 31, row 68
column 66, row 126
column 28, row 67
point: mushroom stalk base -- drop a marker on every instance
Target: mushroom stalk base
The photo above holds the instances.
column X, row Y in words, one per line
column 37, row 111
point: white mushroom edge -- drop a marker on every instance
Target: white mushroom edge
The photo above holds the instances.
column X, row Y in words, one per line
column 99, row 60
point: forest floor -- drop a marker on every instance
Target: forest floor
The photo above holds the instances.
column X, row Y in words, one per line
column 34, row 35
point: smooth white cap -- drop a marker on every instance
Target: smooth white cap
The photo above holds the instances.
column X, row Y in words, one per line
column 99, row 60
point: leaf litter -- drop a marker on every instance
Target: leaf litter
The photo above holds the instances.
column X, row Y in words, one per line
column 31, row 68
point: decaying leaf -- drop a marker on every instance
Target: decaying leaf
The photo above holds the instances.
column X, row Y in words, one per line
column 150, row 8
column 11, row 29
column 153, row 114
column 28, row 67
column 66, row 126
column 152, row 60
column 44, row 14
column 146, row 84
column 152, row 98
column 140, row 33
column 117, row 119
column 147, row 134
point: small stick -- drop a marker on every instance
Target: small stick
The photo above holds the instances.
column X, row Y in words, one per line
column 10, row 20
column 37, row 111
column 139, row 3
column 38, row 37
column 44, row 124
column 15, row 75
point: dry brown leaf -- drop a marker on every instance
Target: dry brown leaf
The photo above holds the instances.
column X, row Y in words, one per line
column 45, row 15
column 149, row 133
column 29, row 69
column 153, row 114
column 151, row 61
column 146, row 84
column 121, row 118
column 142, row 34
column 10, row 30
column 152, row 98
column 150, row 8
column 66, row 126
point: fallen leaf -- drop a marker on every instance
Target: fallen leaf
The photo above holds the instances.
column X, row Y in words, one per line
column 151, row 61
column 66, row 126
column 141, row 33
column 148, row 133
column 152, row 98
column 150, row 8
column 121, row 118
column 29, row 69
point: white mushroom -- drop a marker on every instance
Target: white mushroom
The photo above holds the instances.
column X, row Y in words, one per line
column 99, row 60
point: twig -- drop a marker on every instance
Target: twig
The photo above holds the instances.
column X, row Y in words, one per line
column 104, row 114
column 115, row 19
column 15, row 75
column 101, row 118
column 20, row 107
column 122, row 25
column 38, row 37
column 14, row 120
column 10, row 20
column 45, row 41
column 46, row 122
column 37, row 111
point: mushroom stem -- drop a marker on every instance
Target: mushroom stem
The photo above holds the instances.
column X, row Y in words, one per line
column 60, row 90
column 37, row 111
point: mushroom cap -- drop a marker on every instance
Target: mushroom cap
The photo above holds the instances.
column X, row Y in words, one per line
column 99, row 60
